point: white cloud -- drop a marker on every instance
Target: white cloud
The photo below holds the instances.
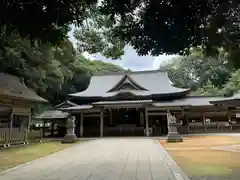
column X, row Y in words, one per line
column 130, row 60
column 88, row 56
column 161, row 59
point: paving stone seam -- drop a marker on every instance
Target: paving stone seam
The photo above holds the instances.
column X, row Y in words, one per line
column 136, row 172
column 125, row 161
column 150, row 168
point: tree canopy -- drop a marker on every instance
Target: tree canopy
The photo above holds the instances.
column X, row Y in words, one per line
column 204, row 75
column 195, row 70
column 42, row 19
column 53, row 72
column 163, row 27
column 150, row 26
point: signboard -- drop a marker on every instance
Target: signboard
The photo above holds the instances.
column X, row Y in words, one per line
column 237, row 115
column 4, row 108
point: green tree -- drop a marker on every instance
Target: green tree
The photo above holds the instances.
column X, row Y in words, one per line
column 53, row 72
column 195, row 70
column 233, row 85
column 96, row 34
column 40, row 19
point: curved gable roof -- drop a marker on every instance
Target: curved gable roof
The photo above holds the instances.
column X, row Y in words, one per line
column 126, row 79
column 156, row 82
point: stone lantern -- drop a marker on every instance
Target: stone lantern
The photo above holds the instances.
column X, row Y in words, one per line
column 173, row 135
column 70, row 136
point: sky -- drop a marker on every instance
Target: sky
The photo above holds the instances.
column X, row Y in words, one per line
column 130, row 60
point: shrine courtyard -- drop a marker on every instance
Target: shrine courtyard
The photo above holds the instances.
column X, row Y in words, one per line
column 103, row 158
column 200, row 157
column 210, row 157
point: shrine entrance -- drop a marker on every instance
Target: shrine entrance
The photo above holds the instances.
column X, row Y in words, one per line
column 124, row 122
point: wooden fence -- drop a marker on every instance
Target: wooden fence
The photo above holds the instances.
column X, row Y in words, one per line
column 18, row 136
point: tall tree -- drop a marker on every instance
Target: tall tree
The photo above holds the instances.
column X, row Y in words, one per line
column 96, row 34
column 169, row 27
column 150, row 26
column 41, row 19
column 196, row 70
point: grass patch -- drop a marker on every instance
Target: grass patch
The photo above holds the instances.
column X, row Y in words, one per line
column 206, row 163
column 12, row 157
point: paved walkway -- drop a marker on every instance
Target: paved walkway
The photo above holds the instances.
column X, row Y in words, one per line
column 102, row 159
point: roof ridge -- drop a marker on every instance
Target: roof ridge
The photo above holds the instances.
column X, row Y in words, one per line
column 128, row 72
column 202, row 96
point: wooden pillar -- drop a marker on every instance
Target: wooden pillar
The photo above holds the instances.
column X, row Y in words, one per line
column 101, row 123
column 215, row 115
column 52, row 128
column 146, row 121
column 204, row 122
column 44, row 128
column 141, row 118
column 230, row 120
column 187, row 123
column 27, row 130
column 10, row 129
column 110, row 116
column 81, row 123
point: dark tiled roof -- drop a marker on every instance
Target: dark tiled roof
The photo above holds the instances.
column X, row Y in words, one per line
column 65, row 103
column 188, row 101
column 156, row 82
column 235, row 99
column 78, row 107
column 11, row 86
column 123, row 102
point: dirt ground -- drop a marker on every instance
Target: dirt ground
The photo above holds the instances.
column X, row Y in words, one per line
column 206, row 164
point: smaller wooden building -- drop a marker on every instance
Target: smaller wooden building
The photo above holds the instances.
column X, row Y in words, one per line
column 56, row 118
column 16, row 103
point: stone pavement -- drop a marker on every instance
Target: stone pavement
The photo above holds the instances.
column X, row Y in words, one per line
column 102, row 159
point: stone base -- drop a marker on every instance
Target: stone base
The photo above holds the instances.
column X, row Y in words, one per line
column 70, row 138
column 174, row 137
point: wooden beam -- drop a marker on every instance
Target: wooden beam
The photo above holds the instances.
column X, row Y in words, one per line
column 156, row 113
column 91, row 115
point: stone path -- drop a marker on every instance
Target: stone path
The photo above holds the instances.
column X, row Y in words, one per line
column 103, row 159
